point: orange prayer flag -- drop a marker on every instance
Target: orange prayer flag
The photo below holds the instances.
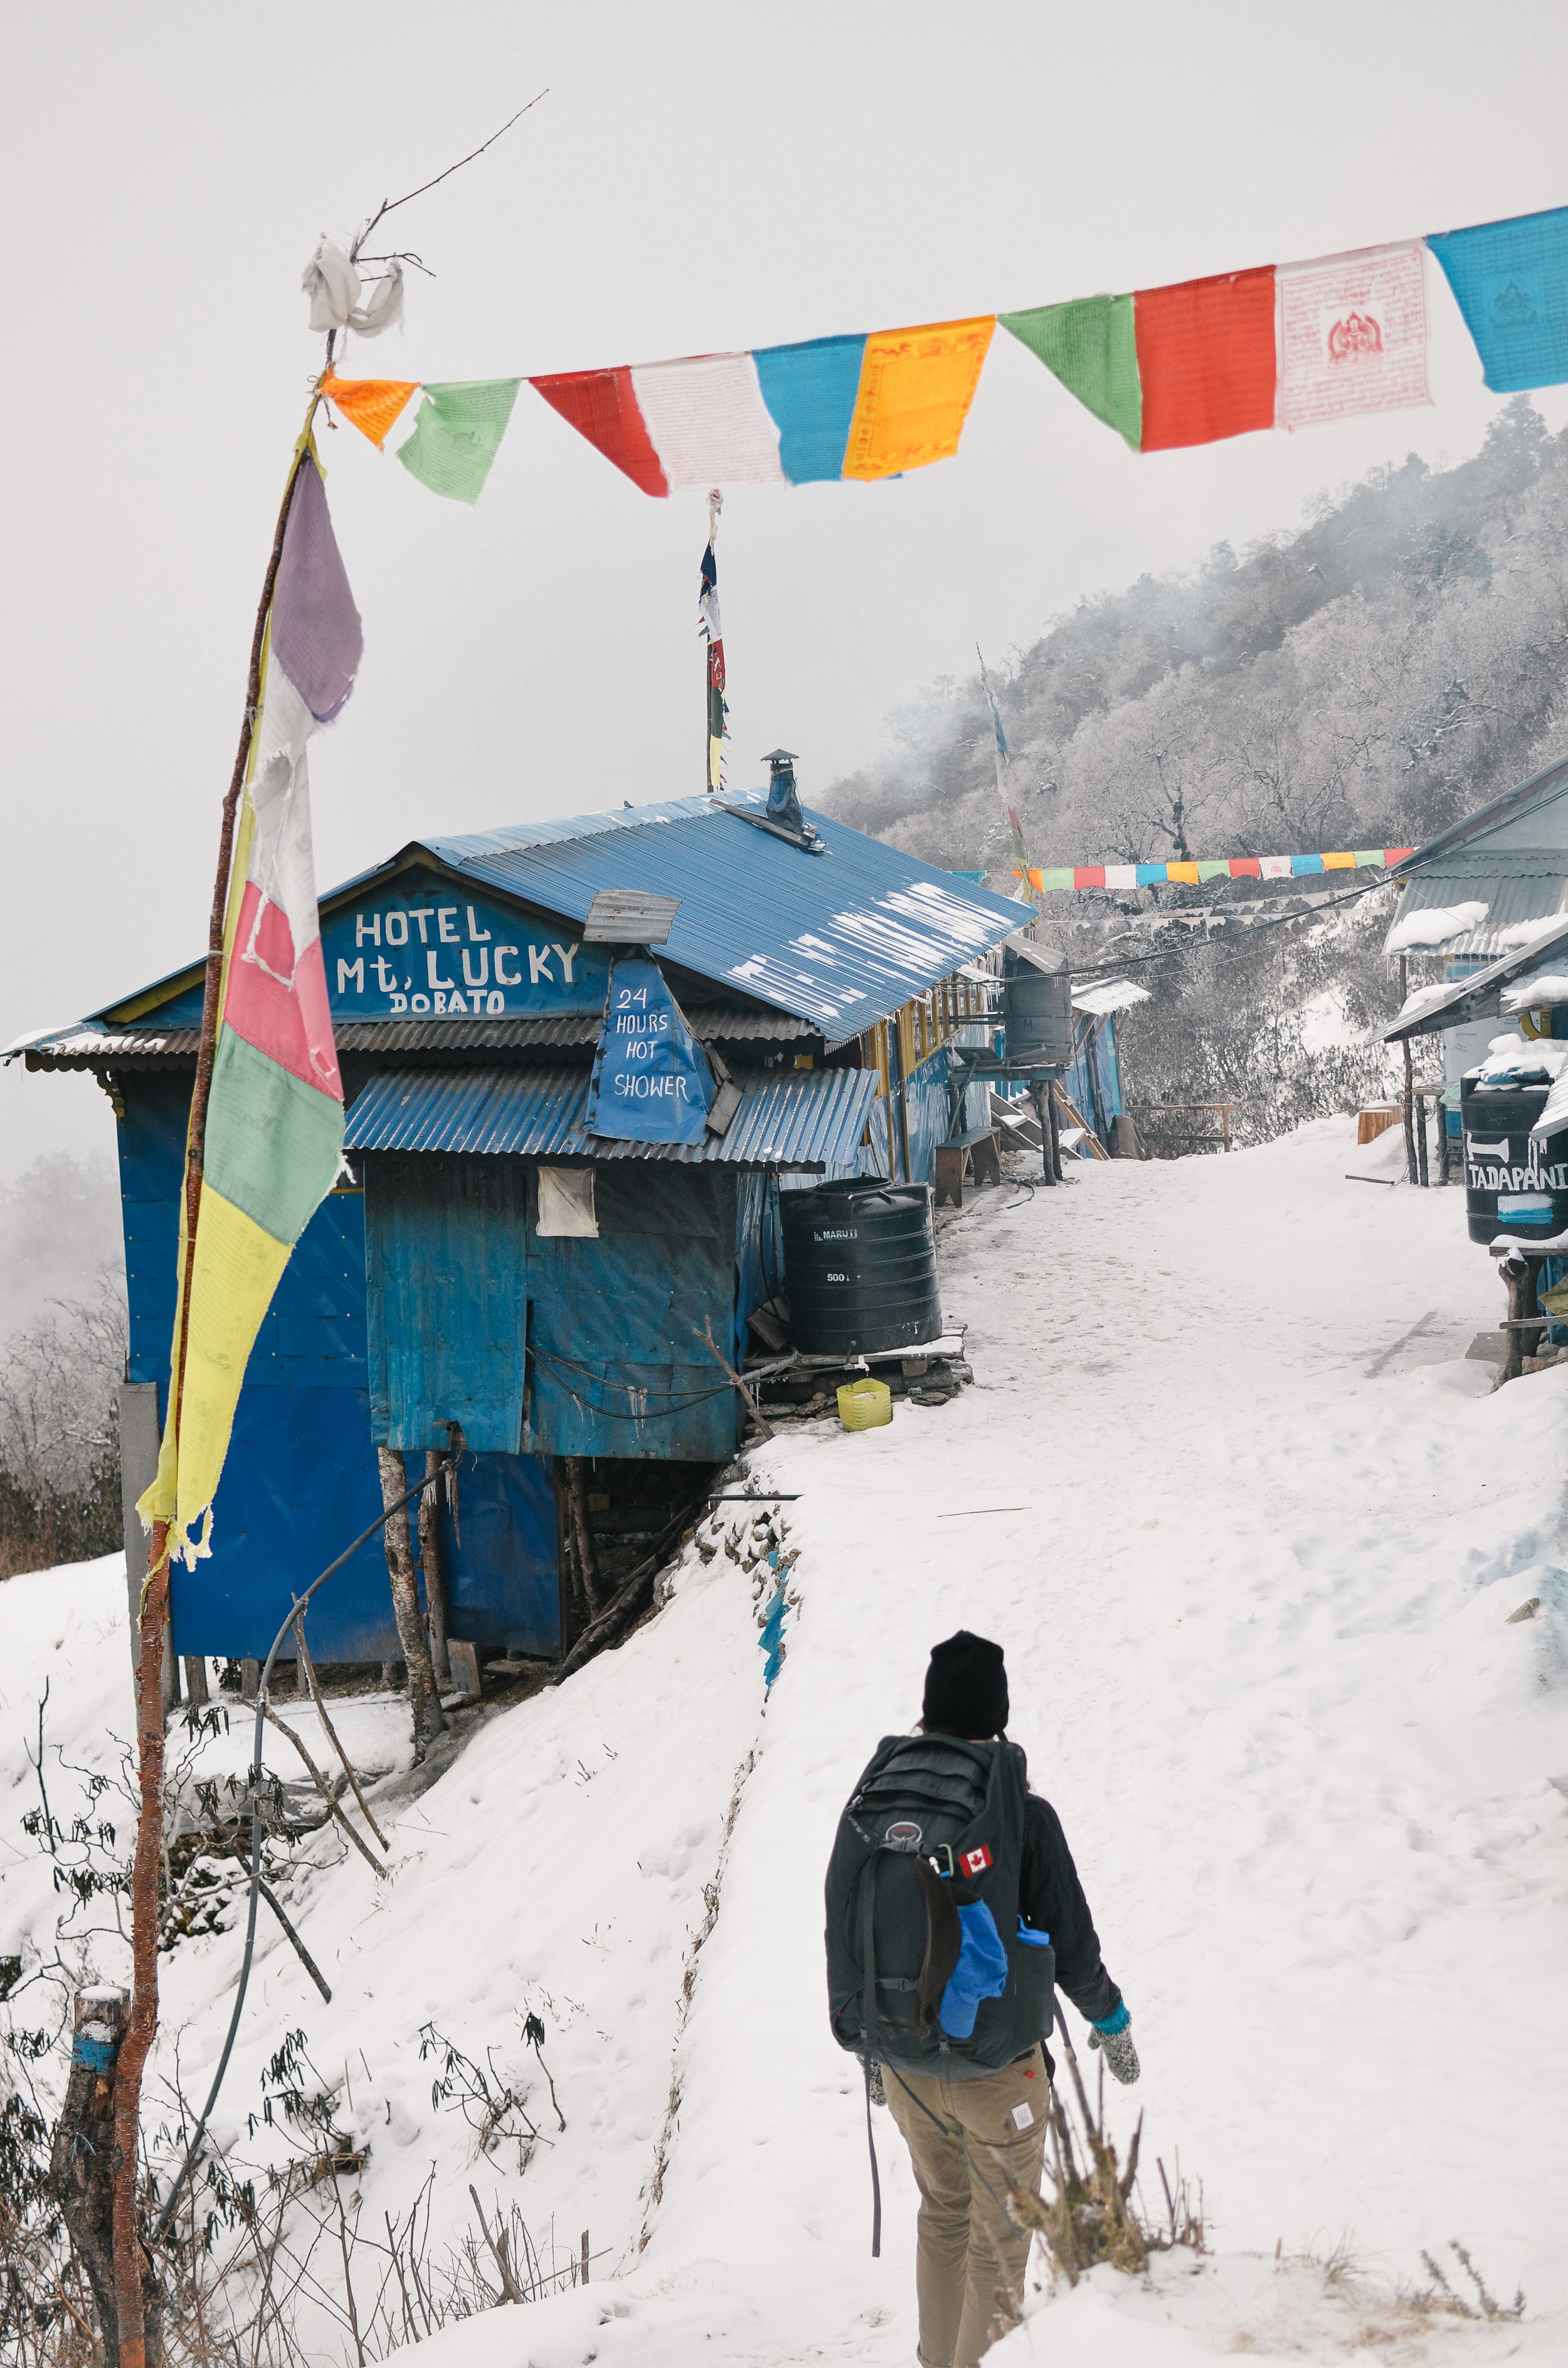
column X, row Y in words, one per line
column 374, row 405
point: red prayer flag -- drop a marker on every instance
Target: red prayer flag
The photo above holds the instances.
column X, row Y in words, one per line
column 1090, row 875
column 1205, row 359
column 602, row 405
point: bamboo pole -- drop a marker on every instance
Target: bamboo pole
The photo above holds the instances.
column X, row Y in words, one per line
column 130, row 2296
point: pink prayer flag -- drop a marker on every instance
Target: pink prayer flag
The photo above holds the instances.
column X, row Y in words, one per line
column 1350, row 331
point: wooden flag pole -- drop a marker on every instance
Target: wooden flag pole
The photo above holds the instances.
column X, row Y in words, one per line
column 134, row 2286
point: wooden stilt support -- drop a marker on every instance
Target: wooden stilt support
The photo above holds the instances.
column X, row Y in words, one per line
column 435, row 1569
column 424, row 1700
column 582, row 1532
column 1410, row 1166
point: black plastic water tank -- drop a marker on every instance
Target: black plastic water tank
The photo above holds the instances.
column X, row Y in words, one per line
column 1515, row 1182
column 861, row 1266
column 1037, row 1013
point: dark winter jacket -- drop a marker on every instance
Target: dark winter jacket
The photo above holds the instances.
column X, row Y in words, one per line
column 1051, row 1898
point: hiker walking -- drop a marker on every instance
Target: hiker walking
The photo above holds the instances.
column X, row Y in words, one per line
column 953, row 1910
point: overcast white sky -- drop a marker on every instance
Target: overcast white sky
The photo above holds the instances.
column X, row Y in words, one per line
column 697, row 179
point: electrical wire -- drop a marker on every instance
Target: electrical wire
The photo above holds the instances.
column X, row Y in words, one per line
column 1232, row 945
column 257, row 1773
column 562, row 1365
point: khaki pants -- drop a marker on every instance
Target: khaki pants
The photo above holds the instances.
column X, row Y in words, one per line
column 973, row 2140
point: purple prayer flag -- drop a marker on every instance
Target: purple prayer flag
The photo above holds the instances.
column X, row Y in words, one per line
column 317, row 638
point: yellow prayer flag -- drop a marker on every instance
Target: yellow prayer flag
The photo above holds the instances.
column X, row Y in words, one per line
column 916, row 386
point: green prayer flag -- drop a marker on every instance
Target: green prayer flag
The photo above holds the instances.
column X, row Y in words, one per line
column 1214, row 868
column 458, row 434
column 1091, row 346
column 1060, row 878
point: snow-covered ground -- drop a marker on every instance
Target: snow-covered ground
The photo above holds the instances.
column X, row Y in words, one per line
column 1250, row 1527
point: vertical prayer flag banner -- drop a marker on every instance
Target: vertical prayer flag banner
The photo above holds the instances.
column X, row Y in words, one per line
column 652, row 1082
column 833, row 408
column 457, row 434
column 1510, row 280
column 274, row 1137
column 374, row 406
column 1351, row 334
column 711, row 628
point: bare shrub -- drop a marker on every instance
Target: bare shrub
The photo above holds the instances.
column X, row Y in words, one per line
column 59, row 1432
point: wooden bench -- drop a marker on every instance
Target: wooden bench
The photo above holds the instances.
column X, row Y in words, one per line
column 979, row 1149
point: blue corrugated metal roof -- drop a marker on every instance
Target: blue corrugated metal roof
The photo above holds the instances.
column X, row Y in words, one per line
column 842, row 939
column 808, row 1121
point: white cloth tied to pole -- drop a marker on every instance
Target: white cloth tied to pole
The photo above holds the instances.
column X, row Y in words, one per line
column 333, row 285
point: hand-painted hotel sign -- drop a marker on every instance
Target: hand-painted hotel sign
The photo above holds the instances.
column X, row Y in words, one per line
column 423, row 948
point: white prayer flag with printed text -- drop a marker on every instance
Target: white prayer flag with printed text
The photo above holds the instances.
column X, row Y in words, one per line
column 1351, row 334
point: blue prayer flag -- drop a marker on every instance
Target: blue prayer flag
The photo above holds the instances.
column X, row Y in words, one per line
column 1510, row 280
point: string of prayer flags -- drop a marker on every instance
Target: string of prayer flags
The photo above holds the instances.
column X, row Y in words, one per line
column 1284, row 347
column 1288, row 346
column 273, row 1137
column 1510, row 280
column 457, row 434
column 862, row 407
column 1192, row 875
column 374, row 406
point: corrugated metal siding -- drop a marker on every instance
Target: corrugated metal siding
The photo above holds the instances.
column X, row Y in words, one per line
column 716, row 1023
column 810, row 1119
column 842, row 939
column 1514, row 888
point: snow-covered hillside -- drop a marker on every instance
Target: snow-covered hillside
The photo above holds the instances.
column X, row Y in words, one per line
column 1250, row 1527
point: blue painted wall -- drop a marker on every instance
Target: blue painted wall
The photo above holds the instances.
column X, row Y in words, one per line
column 301, row 1477
column 460, row 1276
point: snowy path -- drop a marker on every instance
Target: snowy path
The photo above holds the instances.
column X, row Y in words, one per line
column 1254, row 1599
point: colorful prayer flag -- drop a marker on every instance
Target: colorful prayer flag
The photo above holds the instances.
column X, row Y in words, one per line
column 1205, row 359
column 457, row 434
column 1510, row 280
column 373, row 405
column 274, row 1137
column 833, row 408
column 1351, row 334
column 1091, row 346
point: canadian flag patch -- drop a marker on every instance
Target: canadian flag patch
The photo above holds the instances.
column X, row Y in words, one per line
column 976, row 1860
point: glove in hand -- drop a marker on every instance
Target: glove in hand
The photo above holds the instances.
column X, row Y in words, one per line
column 1120, row 2056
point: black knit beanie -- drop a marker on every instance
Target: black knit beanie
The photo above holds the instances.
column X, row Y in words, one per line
column 966, row 1687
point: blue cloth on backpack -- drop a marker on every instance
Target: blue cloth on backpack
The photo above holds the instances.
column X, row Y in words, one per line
column 1114, row 2022
column 981, row 1971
